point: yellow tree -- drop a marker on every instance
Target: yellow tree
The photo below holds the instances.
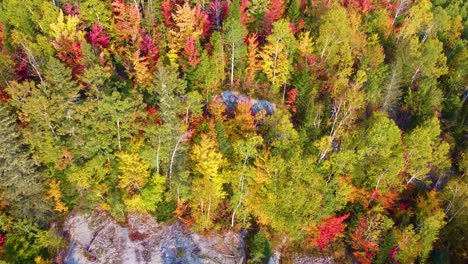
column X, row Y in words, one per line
column 277, row 55
column 56, row 195
column 207, row 186
column 188, row 23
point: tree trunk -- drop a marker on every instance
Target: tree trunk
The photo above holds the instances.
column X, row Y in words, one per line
column 232, row 64
column 118, row 134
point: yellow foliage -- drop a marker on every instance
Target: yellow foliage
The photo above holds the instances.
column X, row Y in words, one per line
column 40, row 260
column 55, row 194
column 140, row 67
column 188, row 24
column 66, row 28
column 134, row 172
column 305, row 44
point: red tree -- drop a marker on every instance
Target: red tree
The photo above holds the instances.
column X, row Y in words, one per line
column 70, row 53
column 274, row 13
column 2, row 36
column 365, row 249
column 191, row 52
column 217, row 11
column 329, row 231
column 244, row 5
column 21, row 72
column 149, row 50
column 71, row 10
column 97, row 36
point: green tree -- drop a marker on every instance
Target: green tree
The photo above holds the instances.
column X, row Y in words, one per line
column 26, row 242
column 425, row 151
column 167, row 140
column 22, row 185
column 235, row 33
column 49, row 110
column 245, row 150
column 379, row 155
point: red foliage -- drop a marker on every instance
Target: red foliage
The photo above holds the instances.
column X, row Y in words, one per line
column 392, row 253
column 363, row 6
column 97, row 36
column 148, row 49
column 292, row 95
column 387, row 200
column 153, row 116
column 2, row 241
column 71, row 10
column 201, row 18
column 404, row 206
column 217, row 11
column 167, row 6
column 191, row 52
column 295, row 28
column 21, row 69
column 365, row 250
column 70, row 53
column 291, row 99
column 2, row 36
column 329, row 230
column 3, row 95
column 244, row 5
column 275, row 10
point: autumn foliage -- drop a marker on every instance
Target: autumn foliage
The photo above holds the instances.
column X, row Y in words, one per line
column 336, row 126
column 329, row 231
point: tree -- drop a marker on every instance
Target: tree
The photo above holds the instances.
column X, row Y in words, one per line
column 244, row 151
column 207, row 186
column 408, row 244
column 49, row 110
column 431, row 219
column 369, row 233
column 68, row 42
column 379, row 156
column 425, row 151
column 189, row 22
column 92, row 10
column 25, row 243
column 235, row 33
column 168, row 89
column 56, row 195
column 22, row 185
column 142, row 191
column 329, row 231
column 273, row 13
column 277, row 55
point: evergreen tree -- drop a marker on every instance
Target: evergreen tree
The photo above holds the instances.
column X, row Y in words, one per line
column 22, row 184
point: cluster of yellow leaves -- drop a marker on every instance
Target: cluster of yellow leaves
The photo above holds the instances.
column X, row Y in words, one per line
column 133, row 172
column 66, row 28
column 56, row 194
column 189, row 23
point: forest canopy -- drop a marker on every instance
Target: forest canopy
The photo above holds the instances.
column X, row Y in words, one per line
column 324, row 127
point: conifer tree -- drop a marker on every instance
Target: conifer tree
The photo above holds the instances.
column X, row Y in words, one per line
column 22, row 184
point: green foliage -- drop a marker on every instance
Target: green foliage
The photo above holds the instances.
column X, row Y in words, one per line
column 259, row 248
column 18, row 173
column 425, row 151
column 25, row 242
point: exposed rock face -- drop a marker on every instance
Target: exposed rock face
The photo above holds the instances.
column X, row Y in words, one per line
column 97, row 238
